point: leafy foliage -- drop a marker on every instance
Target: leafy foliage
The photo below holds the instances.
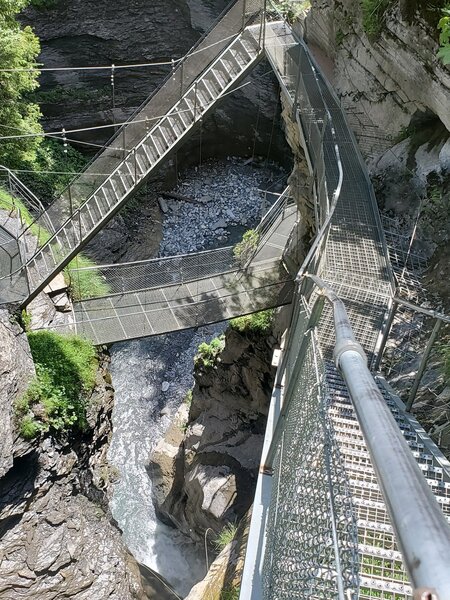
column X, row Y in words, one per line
column 230, row 594
column 259, row 322
column 65, row 374
column 444, row 37
column 19, row 48
column 50, row 156
column 207, row 353
column 245, row 248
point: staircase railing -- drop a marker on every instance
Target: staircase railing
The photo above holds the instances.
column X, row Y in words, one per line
column 311, row 542
column 231, row 22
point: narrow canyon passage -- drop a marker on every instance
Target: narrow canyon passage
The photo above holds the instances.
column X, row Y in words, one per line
column 152, row 376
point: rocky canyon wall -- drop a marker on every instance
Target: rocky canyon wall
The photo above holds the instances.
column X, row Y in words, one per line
column 204, row 470
column 391, row 77
column 56, row 538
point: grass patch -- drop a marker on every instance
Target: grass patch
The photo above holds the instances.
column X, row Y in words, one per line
column 13, row 205
column 188, row 398
column 374, row 16
column 207, row 353
column 226, row 536
column 85, row 284
column 260, row 322
column 65, row 375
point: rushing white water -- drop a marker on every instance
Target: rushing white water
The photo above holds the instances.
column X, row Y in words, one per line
column 138, row 370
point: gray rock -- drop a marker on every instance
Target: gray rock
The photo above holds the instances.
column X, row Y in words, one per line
column 220, row 224
column 163, row 205
column 165, row 386
column 16, row 370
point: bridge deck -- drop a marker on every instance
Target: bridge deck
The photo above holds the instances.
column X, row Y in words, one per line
column 265, row 283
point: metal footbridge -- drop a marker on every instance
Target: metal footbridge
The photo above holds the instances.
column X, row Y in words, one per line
column 180, row 292
column 353, row 498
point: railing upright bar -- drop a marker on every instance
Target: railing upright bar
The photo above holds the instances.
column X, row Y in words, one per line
column 386, row 333
column 423, row 364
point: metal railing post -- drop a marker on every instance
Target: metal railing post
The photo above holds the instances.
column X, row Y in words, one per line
column 181, row 78
column 423, row 364
column 244, row 10
column 195, row 101
column 387, row 331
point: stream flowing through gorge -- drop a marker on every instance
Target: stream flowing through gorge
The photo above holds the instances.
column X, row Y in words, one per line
column 151, row 376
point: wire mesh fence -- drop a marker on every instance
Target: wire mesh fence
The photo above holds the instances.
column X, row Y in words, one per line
column 312, row 542
column 162, row 272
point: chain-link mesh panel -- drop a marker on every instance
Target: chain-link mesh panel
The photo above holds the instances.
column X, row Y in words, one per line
column 311, row 549
column 155, row 273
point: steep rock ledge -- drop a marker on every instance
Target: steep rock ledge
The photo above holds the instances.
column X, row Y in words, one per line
column 204, row 470
column 55, row 541
column 388, row 79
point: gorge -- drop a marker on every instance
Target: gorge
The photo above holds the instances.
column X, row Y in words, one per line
column 250, row 136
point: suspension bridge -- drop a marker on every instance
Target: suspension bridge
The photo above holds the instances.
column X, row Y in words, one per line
column 353, row 498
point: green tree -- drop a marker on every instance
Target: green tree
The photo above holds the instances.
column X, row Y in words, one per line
column 19, row 48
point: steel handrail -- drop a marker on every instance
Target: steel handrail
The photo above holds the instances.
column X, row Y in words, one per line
column 422, row 532
column 180, row 62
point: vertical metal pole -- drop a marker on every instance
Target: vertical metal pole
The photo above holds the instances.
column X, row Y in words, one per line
column 387, row 331
column 181, row 78
column 264, row 23
column 124, row 147
column 135, row 165
column 195, row 102
column 423, row 364
column 69, row 191
column 243, row 13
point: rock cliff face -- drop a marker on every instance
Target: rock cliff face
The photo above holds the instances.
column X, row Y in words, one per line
column 205, row 477
column 56, row 542
column 391, row 81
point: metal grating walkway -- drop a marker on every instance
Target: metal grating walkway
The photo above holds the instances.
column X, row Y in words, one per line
column 322, row 454
column 189, row 302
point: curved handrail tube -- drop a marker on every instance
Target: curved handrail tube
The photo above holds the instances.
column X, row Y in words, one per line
column 422, row 531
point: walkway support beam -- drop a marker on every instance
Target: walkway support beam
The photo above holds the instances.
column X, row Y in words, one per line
column 422, row 531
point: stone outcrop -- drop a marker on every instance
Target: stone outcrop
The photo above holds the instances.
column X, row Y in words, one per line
column 205, row 476
column 16, row 370
column 388, row 80
column 56, row 540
